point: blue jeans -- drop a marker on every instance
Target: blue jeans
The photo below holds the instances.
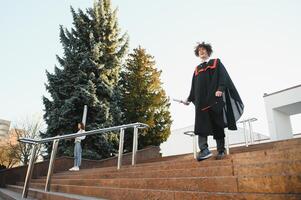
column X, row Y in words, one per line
column 77, row 154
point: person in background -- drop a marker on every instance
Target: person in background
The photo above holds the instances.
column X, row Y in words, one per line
column 78, row 148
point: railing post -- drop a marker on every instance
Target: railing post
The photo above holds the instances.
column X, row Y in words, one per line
column 29, row 171
column 227, row 144
column 135, row 145
column 85, row 115
column 251, row 131
column 194, row 146
column 120, row 152
column 245, row 134
column 51, row 164
column 194, row 142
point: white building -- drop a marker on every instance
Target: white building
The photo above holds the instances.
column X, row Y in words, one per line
column 280, row 106
column 4, row 127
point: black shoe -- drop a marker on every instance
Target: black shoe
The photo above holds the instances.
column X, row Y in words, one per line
column 220, row 155
column 204, row 154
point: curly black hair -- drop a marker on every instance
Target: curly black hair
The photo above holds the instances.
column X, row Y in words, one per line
column 204, row 45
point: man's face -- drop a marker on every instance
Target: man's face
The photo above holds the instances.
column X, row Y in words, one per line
column 203, row 53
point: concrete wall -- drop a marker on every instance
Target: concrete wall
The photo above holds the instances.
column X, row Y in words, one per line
column 279, row 107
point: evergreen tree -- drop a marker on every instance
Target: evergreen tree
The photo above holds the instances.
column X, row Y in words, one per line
column 88, row 75
column 144, row 100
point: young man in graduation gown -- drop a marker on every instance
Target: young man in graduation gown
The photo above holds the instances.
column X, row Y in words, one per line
column 217, row 102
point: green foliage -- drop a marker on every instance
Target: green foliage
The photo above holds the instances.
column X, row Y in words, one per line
column 144, row 100
column 88, row 74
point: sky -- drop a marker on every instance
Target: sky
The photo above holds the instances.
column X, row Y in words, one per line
column 257, row 41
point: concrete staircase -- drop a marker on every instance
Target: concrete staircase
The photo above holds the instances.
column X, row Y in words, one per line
column 270, row 171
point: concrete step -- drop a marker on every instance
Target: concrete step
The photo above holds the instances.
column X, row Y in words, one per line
column 268, row 168
column 281, row 157
column 6, row 194
column 42, row 195
column 283, row 144
column 181, row 164
column 270, row 184
column 258, row 169
column 147, row 194
column 166, row 158
column 201, row 184
column 185, row 172
column 233, row 196
column 241, row 158
column 263, row 156
column 272, row 151
column 289, row 144
column 258, row 184
column 265, row 172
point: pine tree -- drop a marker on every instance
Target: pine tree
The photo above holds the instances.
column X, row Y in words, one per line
column 88, row 75
column 144, row 100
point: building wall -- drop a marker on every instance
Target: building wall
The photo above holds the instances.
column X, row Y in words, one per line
column 4, row 127
column 279, row 107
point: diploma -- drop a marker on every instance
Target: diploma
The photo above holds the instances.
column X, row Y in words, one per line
column 181, row 101
column 177, row 100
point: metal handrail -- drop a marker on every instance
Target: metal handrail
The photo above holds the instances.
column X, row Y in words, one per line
column 227, row 142
column 74, row 135
column 251, row 133
column 56, row 139
column 194, row 143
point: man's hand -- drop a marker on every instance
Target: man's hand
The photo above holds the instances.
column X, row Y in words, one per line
column 218, row 93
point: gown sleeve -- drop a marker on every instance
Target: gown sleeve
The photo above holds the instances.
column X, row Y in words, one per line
column 222, row 77
column 191, row 95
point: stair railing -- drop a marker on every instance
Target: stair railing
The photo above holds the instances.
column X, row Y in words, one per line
column 246, row 136
column 251, row 133
column 36, row 142
column 194, row 143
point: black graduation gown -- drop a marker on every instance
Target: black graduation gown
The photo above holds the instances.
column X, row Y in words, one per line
column 213, row 114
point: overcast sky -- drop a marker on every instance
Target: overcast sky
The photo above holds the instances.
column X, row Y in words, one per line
column 258, row 41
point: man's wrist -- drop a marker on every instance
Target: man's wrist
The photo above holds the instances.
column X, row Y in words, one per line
column 221, row 88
